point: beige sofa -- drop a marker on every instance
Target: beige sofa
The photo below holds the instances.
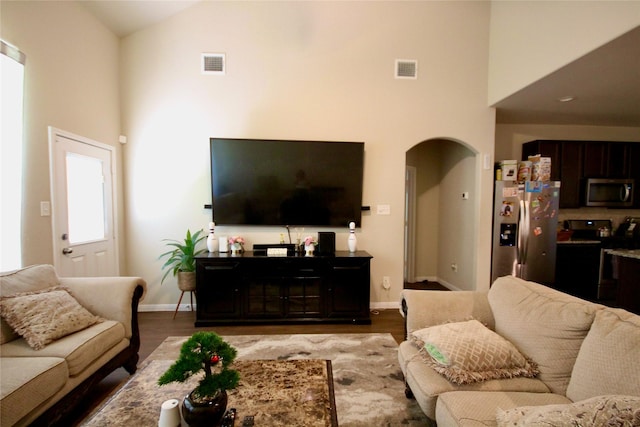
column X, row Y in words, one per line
column 584, row 351
column 41, row 387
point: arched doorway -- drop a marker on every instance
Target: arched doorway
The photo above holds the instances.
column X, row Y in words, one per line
column 440, row 213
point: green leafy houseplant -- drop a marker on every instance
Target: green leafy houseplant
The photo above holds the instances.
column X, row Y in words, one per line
column 182, row 256
column 208, row 352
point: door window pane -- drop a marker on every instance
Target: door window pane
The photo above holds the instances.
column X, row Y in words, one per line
column 85, row 198
column 11, row 109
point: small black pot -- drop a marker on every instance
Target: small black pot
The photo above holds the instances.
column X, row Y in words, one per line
column 204, row 414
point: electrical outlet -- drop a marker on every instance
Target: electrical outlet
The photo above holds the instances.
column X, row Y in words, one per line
column 386, row 282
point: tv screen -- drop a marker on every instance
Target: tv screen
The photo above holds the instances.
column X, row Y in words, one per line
column 277, row 182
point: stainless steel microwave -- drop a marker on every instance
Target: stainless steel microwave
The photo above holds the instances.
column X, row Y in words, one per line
column 613, row 193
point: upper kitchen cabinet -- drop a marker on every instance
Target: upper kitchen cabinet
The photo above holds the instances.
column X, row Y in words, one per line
column 606, row 159
column 618, row 159
column 574, row 161
column 570, row 165
column 594, row 164
column 566, row 166
column 549, row 149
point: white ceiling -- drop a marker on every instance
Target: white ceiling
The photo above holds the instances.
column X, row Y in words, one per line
column 126, row 17
column 605, row 83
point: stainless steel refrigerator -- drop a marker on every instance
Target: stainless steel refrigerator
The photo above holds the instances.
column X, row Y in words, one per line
column 525, row 219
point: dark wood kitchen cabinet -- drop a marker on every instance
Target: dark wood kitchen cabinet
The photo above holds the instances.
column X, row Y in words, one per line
column 618, row 159
column 595, row 160
column 545, row 148
column 252, row 288
column 566, row 166
column 577, row 269
column 570, row 166
column 574, row 161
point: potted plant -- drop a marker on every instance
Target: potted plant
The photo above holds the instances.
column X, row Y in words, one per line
column 181, row 261
column 206, row 404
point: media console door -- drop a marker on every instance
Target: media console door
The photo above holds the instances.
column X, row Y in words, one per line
column 260, row 289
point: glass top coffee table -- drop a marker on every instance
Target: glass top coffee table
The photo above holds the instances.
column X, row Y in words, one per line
column 274, row 392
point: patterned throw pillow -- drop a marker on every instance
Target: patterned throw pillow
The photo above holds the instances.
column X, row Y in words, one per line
column 611, row 410
column 44, row 316
column 468, row 352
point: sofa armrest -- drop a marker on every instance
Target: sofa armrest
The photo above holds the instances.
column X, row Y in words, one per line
column 422, row 309
column 113, row 298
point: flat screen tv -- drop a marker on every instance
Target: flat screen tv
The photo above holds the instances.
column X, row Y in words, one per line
column 278, row 182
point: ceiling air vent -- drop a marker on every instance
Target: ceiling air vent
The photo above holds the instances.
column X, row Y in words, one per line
column 406, row 69
column 213, row 63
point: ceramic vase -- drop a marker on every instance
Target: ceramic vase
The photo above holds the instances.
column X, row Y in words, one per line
column 204, row 414
column 308, row 250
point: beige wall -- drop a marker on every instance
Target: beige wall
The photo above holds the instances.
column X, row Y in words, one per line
column 531, row 39
column 303, row 70
column 71, row 83
column 457, row 229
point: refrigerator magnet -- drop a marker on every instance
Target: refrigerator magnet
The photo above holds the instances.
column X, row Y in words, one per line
column 537, row 231
column 533, row 186
column 506, row 209
column 509, row 192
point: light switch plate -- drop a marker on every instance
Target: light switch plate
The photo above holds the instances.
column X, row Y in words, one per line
column 45, row 209
column 383, row 209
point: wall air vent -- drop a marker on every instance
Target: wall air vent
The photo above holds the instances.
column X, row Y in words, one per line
column 406, row 69
column 213, row 63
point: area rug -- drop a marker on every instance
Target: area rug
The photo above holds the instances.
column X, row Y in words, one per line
column 368, row 382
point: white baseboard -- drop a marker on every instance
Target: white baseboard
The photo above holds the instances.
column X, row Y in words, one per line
column 439, row 280
column 386, row 305
column 165, row 307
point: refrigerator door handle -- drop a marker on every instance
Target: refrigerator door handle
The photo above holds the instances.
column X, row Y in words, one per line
column 527, row 228
column 520, row 244
column 523, row 232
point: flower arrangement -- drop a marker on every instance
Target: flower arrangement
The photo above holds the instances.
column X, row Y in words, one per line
column 236, row 241
column 310, row 240
column 208, row 352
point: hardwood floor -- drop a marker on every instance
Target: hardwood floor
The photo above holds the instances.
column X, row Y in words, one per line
column 155, row 327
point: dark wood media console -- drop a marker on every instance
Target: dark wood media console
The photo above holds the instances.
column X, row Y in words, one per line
column 250, row 288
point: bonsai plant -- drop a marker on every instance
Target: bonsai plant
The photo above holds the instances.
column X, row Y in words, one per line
column 207, row 352
column 182, row 259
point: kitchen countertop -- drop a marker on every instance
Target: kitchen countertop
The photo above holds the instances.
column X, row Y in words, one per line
column 627, row 253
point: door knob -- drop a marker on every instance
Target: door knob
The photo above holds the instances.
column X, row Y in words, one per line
column 67, row 251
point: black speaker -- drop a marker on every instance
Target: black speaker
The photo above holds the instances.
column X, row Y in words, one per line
column 326, row 243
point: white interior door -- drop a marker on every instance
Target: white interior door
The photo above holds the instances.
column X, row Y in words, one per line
column 82, row 195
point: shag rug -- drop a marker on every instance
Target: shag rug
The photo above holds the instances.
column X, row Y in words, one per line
column 368, row 382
